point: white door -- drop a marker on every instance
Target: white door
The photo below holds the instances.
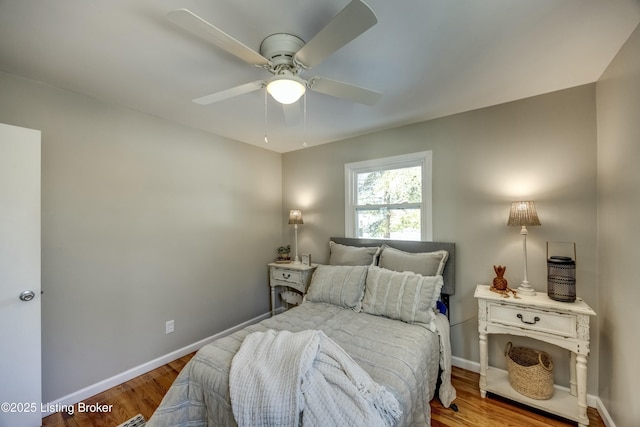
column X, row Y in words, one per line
column 20, row 359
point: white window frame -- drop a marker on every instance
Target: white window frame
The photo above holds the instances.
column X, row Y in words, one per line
column 351, row 171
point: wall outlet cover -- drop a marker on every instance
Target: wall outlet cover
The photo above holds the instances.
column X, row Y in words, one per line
column 169, row 326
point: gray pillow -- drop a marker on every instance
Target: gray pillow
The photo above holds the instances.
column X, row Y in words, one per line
column 341, row 285
column 352, row 255
column 425, row 263
column 403, row 296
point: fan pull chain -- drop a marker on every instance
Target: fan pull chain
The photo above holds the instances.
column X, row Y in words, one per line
column 266, row 140
column 304, row 121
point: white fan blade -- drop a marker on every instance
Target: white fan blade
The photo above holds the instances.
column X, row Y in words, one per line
column 344, row 90
column 353, row 20
column 201, row 28
column 229, row 93
column 291, row 113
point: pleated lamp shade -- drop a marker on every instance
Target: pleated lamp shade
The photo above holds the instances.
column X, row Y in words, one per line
column 295, row 216
column 523, row 213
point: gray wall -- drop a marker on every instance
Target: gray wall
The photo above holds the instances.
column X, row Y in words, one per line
column 618, row 94
column 143, row 221
column 541, row 149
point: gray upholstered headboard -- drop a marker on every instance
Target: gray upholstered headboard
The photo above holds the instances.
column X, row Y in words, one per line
column 448, row 276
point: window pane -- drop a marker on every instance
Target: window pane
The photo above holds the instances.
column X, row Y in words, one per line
column 390, row 186
column 394, row 184
column 399, row 224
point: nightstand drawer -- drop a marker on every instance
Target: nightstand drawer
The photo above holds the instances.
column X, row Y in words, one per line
column 533, row 320
column 285, row 275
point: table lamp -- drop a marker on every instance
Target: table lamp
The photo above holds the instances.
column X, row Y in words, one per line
column 295, row 218
column 524, row 214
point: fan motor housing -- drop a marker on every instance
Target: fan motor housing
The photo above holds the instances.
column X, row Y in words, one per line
column 280, row 48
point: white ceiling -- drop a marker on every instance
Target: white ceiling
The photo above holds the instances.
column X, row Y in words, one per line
column 429, row 58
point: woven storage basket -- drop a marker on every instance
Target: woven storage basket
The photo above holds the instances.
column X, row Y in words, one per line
column 530, row 371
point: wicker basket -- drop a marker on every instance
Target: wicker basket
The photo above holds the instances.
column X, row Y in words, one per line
column 530, row 371
column 291, row 297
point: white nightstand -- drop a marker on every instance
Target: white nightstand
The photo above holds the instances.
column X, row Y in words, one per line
column 293, row 277
column 565, row 324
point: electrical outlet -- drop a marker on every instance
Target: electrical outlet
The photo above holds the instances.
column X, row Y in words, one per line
column 169, row 326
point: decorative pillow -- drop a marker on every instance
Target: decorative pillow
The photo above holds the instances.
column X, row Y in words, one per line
column 352, row 255
column 340, row 285
column 425, row 263
column 403, row 296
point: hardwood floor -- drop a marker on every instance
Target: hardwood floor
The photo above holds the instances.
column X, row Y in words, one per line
column 493, row 411
column 143, row 394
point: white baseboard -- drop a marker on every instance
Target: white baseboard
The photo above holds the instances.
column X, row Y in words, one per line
column 108, row 383
column 593, row 401
column 468, row 365
column 606, row 417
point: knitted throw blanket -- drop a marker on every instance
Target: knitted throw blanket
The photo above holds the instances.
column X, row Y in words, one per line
column 280, row 378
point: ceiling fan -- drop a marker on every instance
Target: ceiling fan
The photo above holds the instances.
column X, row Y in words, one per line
column 286, row 56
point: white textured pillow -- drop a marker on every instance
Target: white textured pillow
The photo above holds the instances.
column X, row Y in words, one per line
column 341, row 285
column 403, row 296
column 352, row 255
column 425, row 263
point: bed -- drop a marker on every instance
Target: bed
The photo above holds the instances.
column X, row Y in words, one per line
column 375, row 302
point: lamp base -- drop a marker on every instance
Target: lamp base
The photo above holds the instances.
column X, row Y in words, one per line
column 297, row 260
column 525, row 289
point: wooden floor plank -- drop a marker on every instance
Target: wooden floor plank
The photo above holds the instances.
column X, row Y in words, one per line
column 143, row 394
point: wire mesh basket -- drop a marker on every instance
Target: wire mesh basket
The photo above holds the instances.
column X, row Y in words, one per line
column 561, row 276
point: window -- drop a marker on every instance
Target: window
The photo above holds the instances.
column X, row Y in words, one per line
column 389, row 198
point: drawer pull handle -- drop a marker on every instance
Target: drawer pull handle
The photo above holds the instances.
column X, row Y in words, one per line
column 535, row 320
column 286, row 276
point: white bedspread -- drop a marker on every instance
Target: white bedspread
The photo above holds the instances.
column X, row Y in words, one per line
column 280, row 378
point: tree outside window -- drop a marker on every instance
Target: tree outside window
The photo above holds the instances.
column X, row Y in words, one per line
column 388, row 204
column 389, row 198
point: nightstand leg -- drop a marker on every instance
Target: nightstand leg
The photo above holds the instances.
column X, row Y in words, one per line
column 483, row 364
column 581, row 377
column 273, row 300
column 572, row 374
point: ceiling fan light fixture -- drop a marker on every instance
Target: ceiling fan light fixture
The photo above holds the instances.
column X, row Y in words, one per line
column 286, row 89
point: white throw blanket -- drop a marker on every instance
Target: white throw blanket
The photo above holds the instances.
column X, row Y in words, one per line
column 280, row 378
